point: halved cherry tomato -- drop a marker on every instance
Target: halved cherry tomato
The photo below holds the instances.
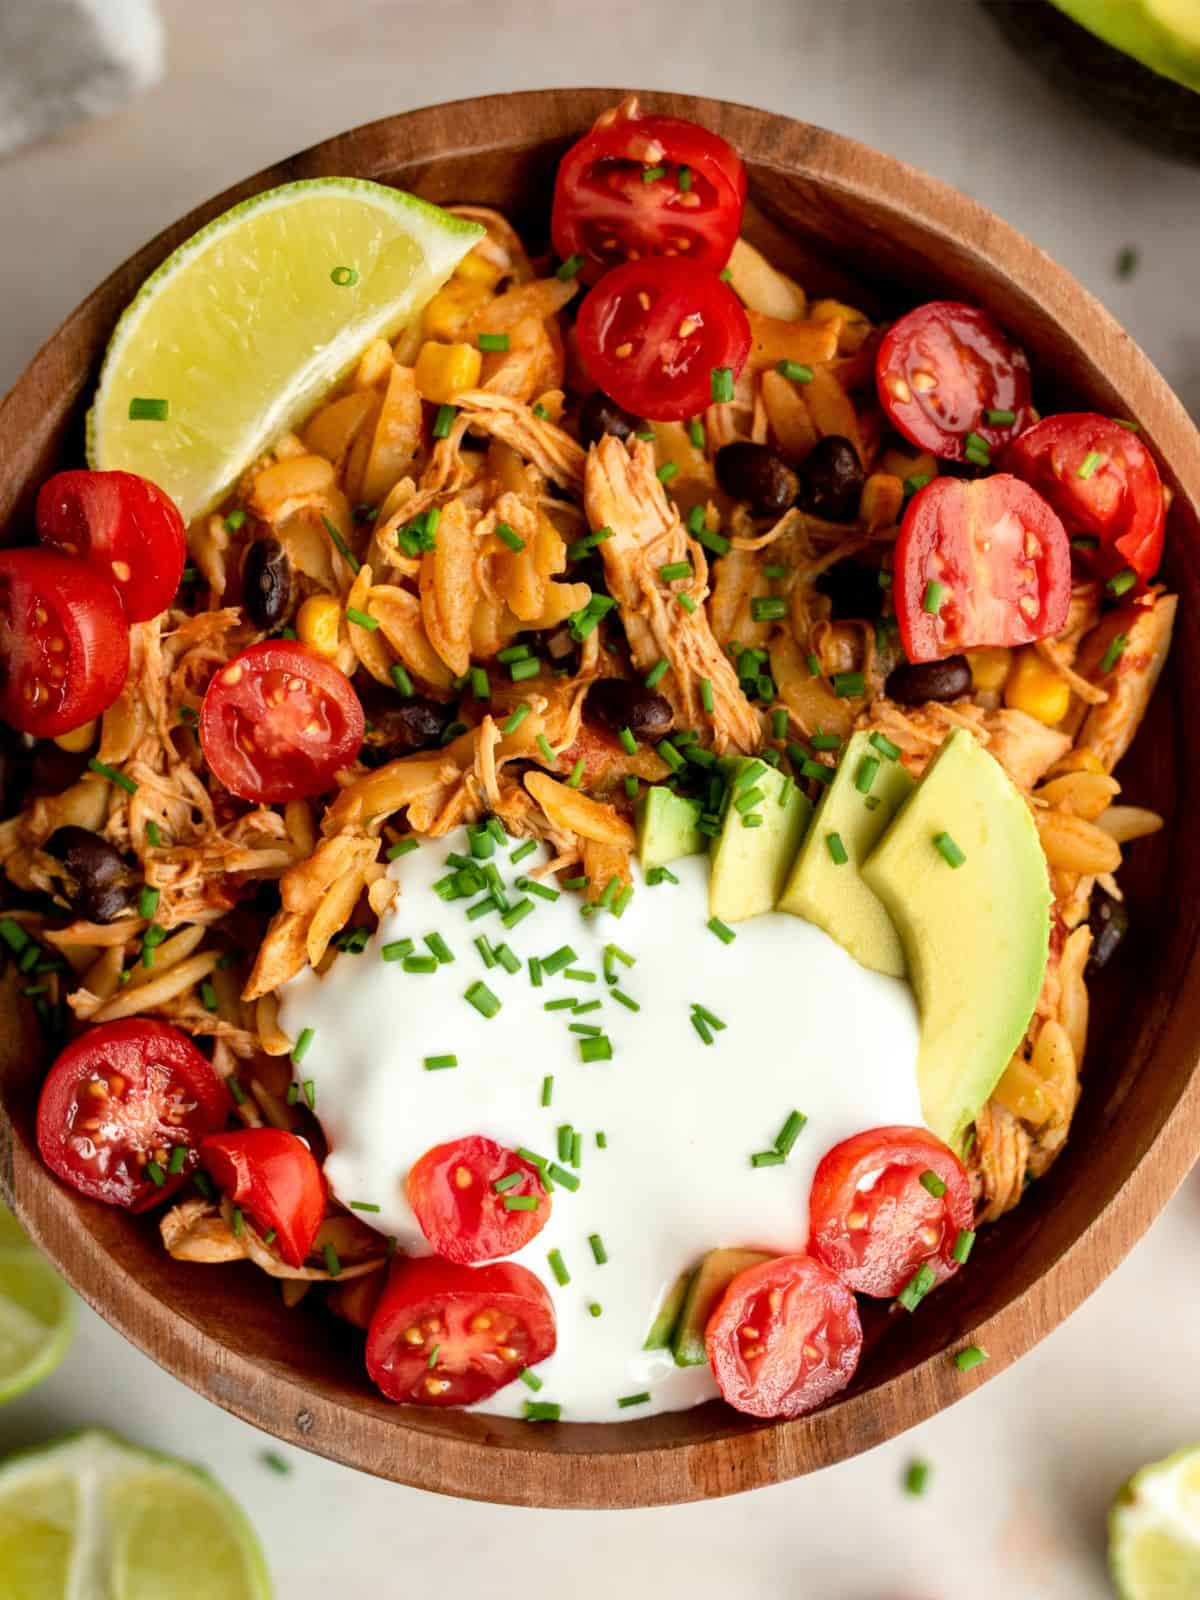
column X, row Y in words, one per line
column 648, row 186
column 784, row 1337
column 123, row 524
column 119, row 1102
column 979, row 563
column 446, row 1335
column 278, row 722
column 651, row 334
column 942, row 368
column 886, row 1202
column 64, row 642
column 464, row 1217
column 274, row 1177
column 1103, row 483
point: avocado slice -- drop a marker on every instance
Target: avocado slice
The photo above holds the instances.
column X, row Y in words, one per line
column 975, row 935
column 667, row 1315
column 1163, row 35
column 668, row 826
column 708, row 1283
column 749, row 864
column 831, row 893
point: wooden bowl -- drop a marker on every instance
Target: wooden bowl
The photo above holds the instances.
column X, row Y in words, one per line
column 844, row 219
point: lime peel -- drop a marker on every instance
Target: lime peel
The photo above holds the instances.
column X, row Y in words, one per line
column 1154, row 1530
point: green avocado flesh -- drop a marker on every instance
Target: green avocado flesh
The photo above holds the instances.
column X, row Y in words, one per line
column 1163, row 35
column 749, row 864
column 833, row 895
column 708, row 1283
column 976, row 935
column 667, row 828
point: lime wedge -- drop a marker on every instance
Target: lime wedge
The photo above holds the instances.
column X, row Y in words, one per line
column 240, row 332
column 1154, row 1531
column 37, row 1313
column 91, row 1515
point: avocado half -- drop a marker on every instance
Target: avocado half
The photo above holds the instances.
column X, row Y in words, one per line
column 1135, row 62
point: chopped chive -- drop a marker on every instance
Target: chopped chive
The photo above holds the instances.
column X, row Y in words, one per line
column 535, row 1160
column 948, row 850
column 645, row 434
column 560, row 1175
column 934, row 598
column 970, row 1358
column 722, row 931
column 443, row 422
column 293, row 1093
column 795, row 371
column 403, row 847
column 332, row 1265
column 179, row 1155
column 627, row 1400
column 480, row 688
column 441, row 950
column 103, row 770
column 530, row 1379
column 601, row 1139
column 963, row 1245
column 542, row 890
column 696, row 434
column 622, row 900
column 657, row 672
column 559, row 1268
column 340, row 545
column 155, row 1173
column 397, row 950
column 535, row 972
column 482, row 998
column 701, row 1027
column 276, row 1463
column 917, row 1287
column 235, row 520
column 1114, row 652
column 864, row 777
column 1121, row 584
column 523, row 850
column 361, row 619
column 148, row 902
column 529, row 667
column 1000, row 419
column 558, row 959
column 517, row 913
column 548, row 1089
column 423, row 964
column 236, row 1222
column 686, row 601
column 790, row 1132
column 576, row 1148
column 812, row 661
column 916, row 1478
column 542, row 1411
column 579, row 975
column 493, row 341
column 653, row 174
column 623, row 999
column 668, row 470
column 886, row 748
column 768, row 608
column 596, row 1049
column 716, row 542
column 586, row 1028
column 916, row 483
column 401, row 679
column 976, row 441
column 270, row 1236
column 440, row 1063
column 768, row 1158
column 631, row 786
column 674, row 570
column 344, row 277
column 567, row 1003
column 208, row 995
column 301, row 1047
column 509, row 536
column 722, row 385
column 836, row 849
column 520, row 1202
column 929, row 1180
column 1123, row 422
column 310, row 1093
column 576, row 775
column 153, row 836
column 485, row 950
column 204, row 1183
column 569, row 269
column 563, row 1139
column 509, row 1181
column 808, row 768
column 364, row 1205
column 683, row 180
column 1089, row 464
column 144, row 410
column 518, row 717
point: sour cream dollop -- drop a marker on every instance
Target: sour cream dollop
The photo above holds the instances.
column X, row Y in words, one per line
column 668, row 1125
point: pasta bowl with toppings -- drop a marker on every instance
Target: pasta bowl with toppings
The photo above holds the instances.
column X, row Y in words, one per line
column 564, row 810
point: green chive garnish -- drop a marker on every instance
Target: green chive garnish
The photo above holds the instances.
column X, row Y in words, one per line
column 103, row 770
column 542, row 1411
column 401, row 679
column 768, row 1158
column 301, row 1047
column 530, row 1379
column 886, row 748
column 864, row 777
column 558, row 1267
column 795, row 371
column 332, row 1265
column 948, row 850
column 973, row 1356
column 790, row 1132
column 482, row 998
column 493, row 341
column 1114, row 652
column 934, row 598
column 142, row 410
column 558, row 959
column 443, row 422
column 363, row 1205
column 155, row 1173
column 722, row 385
column 344, row 277
column 929, row 1180
column 1000, row 419
column 674, row 570
column 653, row 174
column 596, row 1049
column 440, row 1063
column 361, row 619
column 340, row 545
column 916, row 1478
column 848, row 685
column 1121, row 584
column 722, row 931
column 836, row 849
column 520, row 1202
column 963, row 1245
column 627, row 1400
column 917, row 1287
column 310, row 1093
column 569, row 269
column 1089, row 464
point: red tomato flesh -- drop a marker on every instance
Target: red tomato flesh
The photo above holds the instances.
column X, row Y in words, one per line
column 123, row 524
column 273, row 1177
column 784, row 1337
column 278, row 722
column 648, row 186
column 874, row 1222
column 462, row 1214
column 1102, row 482
column 651, row 334
column 121, row 1097
column 64, row 642
column 941, row 368
column 982, row 563
column 444, row 1334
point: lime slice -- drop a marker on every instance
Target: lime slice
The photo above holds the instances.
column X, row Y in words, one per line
column 37, row 1313
column 90, row 1515
column 240, row 332
column 1154, row 1530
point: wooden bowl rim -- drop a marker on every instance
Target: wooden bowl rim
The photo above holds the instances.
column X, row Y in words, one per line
column 559, row 1472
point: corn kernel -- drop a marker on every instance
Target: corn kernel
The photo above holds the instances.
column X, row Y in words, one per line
column 77, row 740
column 478, row 269
column 445, row 370
column 1034, row 687
column 452, row 307
column 318, row 622
column 989, row 668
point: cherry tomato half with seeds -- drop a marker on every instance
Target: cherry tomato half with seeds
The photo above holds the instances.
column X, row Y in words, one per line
column 648, row 186
column 942, row 369
column 117, row 1105
column 784, row 1337
column 279, row 722
column 123, row 524
column 979, row 563
column 886, row 1202
column 452, row 1189
column 64, row 642
column 274, row 1178
column 444, row 1334
column 1102, row 482
column 652, row 333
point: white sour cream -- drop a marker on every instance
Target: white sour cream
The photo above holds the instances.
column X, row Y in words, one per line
column 807, row 1028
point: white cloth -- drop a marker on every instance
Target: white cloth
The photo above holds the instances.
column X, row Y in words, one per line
column 65, row 60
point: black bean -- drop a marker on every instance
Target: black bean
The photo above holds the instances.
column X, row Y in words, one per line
column 618, row 703
column 1109, row 922
column 757, row 476
column 917, row 681
column 97, row 885
column 831, row 480
column 266, row 583
column 600, row 415
column 853, row 589
column 403, row 726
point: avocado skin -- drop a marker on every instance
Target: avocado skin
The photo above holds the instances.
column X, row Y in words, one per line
column 705, row 1287
column 1145, row 105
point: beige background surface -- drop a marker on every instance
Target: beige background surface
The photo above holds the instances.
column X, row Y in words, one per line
column 1022, row 1471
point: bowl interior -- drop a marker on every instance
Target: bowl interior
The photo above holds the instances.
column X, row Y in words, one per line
column 854, row 224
